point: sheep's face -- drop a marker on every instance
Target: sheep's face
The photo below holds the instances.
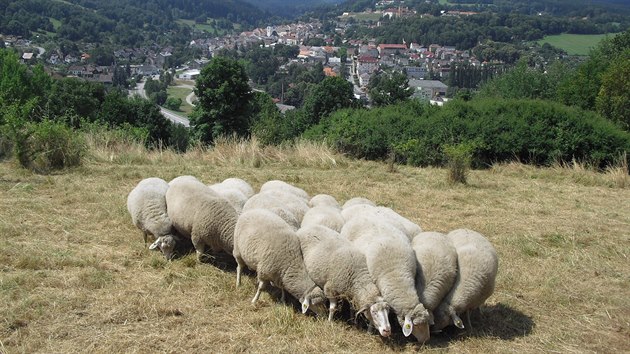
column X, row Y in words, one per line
column 379, row 317
column 442, row 319
column 166, row 244
column 316, row 301
column 416, row 322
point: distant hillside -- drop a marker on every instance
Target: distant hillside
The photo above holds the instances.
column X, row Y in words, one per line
column 291, row 8
column 128, row 22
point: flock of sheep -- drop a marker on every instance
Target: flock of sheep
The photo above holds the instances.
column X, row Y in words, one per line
column 320, row 251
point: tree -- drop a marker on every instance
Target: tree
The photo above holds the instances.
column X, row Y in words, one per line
column 224, row 98
column 173, row 103
column 613, row 100
column 388, row 88
column 332, row 94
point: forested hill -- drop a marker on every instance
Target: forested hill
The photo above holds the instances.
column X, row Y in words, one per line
column 127, row 22
column 292, row 8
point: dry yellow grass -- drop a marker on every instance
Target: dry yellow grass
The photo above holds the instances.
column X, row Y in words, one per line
column 75, row 276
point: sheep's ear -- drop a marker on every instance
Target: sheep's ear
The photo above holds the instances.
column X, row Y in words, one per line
column 363, row 311
column 305, row 305
column 457, row 321
column 407, row 326
column 155, row 244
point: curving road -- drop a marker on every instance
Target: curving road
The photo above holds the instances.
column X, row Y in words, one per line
column 170, row 115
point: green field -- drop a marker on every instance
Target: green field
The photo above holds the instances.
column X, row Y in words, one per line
column 203, row 27
column 364, row 16
column 574, row 44
column 56, row 23
column 181, row 92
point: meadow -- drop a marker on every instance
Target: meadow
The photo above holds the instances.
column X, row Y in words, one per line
column 573, row 44
column 75, row 275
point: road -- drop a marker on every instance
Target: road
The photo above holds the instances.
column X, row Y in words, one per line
column 170, row 115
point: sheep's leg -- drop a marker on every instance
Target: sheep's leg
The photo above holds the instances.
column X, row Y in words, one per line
column 282, row 298
column 468, row 320
column 239, row 270
column 199, row 245
column 332, row 308
column 261, row 285
column 145, row 235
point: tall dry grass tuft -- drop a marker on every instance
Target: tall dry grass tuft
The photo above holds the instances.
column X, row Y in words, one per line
column 620, row 174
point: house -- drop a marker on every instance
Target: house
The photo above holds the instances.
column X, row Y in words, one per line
column 328, row 71
column 427, row 89
column 27, row 57
column 416, row 72
column 389, row 49
column 189, row 74
column 148, row 70
column 366, row 64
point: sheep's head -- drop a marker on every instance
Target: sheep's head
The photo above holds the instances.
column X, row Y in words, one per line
column 444, row 316
column 315, row 300
column 417, row 322
column 378, row 315
column 166, row 244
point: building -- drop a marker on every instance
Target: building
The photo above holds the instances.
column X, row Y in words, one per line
column 189, row 74
column 427, row 89
column 389, row 49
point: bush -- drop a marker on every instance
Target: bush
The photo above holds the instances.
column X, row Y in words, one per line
column 531, row 131
column 459, row 158
column 43, row 146
column 173, row 103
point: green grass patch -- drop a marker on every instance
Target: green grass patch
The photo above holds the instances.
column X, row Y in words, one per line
column 181, row 92
column 206, row 27
column 574, row 44
column 56, row 23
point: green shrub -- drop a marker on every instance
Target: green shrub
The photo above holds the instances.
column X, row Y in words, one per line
column 532, row 131
column 179, row 138
column 459, row 158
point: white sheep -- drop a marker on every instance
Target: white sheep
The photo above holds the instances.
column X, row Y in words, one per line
column 263, row 242
column 239, row 184
column 327, row 216
column 357, row 200
column 324, row 200
column 183, row 178
column 401, row 223
column 392, row 264
column 336, row 266
column 234, row 196
column 278, row 199
column 477, row 265
column 146, row 204
column 201, row 214
column 284, row 186
column 437, row 267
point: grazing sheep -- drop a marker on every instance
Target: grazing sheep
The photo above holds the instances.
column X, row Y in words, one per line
column 392, row 264
column 437, row 267
column 357, row 200
column 241, row 185
column 324, row 200
column 234, row 196
column 336, row 266
column 477, row 265
column 183, row 178
column 286, row 187
column 401, row 223
column 201, row 214
column 329, row 217
column 410, row 228
column 266, row 244
column 146, row 204
column 278, row 199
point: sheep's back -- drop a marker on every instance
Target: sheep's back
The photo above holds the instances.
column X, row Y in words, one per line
column 437, row 267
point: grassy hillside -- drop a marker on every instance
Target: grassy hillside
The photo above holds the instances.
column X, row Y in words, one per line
column 75, row 275
column 574, row 44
